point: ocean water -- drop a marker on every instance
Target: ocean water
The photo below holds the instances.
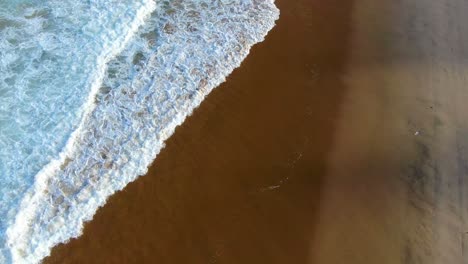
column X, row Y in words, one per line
column 89, row 92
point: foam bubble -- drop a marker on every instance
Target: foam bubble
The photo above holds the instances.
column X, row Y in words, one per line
column 182, row 51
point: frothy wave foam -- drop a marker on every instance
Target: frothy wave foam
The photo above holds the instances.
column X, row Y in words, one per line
column 178, row 54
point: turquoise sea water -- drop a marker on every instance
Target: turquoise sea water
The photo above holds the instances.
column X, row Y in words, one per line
column 89, row 92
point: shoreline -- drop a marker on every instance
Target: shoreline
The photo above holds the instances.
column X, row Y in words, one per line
column 100, row 166
column 185, row 181
column 340, row 139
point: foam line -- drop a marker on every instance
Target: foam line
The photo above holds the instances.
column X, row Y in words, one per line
column 145, row 88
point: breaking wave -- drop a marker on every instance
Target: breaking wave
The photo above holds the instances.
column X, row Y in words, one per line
column 91, row 91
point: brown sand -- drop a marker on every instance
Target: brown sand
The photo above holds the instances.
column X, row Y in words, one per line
column 343, row 138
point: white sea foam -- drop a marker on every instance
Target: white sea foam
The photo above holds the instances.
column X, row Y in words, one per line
column 146, row 86
column 51, row 54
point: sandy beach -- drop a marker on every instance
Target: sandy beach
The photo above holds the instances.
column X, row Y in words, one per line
column 342, row 138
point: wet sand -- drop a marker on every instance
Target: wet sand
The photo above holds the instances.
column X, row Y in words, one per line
column 343, row 138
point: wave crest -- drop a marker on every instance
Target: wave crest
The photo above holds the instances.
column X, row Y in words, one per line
column 181, row 52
